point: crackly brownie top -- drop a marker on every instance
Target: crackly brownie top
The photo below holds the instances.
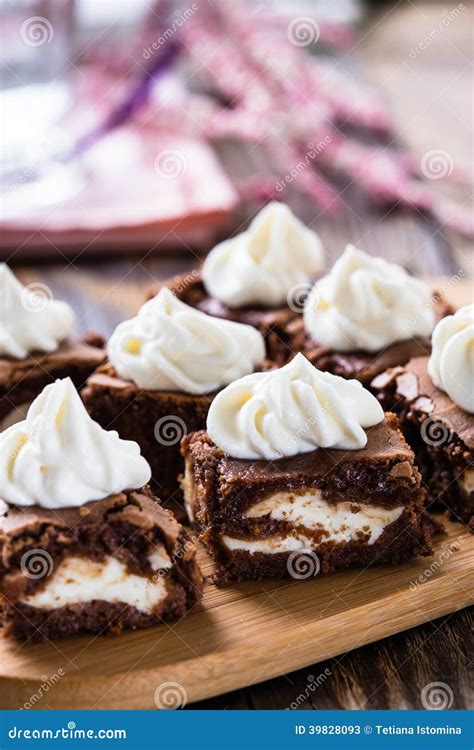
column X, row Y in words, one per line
column 107, row 377
column 415, row 385
column 383, row 471
column 137, row 508
column 72, row 352
column 357, row 364
column 361, row 364
column 190, row 289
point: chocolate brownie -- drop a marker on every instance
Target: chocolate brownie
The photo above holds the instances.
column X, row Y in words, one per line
column 155, row 419
column 271, row 322
column 439, row 431
column 340, row 508
column 119, row 563
column 361, row 365
column 21, row 380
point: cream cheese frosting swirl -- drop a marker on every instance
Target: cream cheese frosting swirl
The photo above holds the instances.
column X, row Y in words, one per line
column 261, row 265
column 292, row 410
column 59, row 457
column 29, row 321
column 451, row 365
column 367, row 303
column 172, row 346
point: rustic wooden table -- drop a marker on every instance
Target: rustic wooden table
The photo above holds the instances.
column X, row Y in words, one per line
column 430, row 97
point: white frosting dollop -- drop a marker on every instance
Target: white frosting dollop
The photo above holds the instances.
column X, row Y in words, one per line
column 172, row 346
column 292, row 410
column 367, row 303
column 261, row 265
column 451, row 365
column 59, row 457
column 29, row 321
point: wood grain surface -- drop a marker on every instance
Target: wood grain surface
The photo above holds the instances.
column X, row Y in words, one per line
column 242, row 634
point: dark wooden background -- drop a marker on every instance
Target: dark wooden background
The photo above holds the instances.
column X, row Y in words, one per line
column 431, row 98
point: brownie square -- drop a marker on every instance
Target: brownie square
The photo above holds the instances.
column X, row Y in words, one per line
column 439, row 431
column 330, row 508
column 119, row 563
column 271, row 322
column 157, row 420
column 22, row 380
column 361, row 365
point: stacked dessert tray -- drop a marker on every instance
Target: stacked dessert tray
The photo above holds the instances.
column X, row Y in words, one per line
column 242, row 633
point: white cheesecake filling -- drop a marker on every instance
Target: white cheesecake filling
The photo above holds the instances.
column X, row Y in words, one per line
column 187, row 485
column 466, row 481
column 17, row 414
column 339, row 522
column 77, row 580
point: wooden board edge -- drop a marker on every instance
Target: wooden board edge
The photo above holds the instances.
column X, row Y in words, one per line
column 202, row 679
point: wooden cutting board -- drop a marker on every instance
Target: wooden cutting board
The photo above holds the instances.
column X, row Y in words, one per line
column 241, row 634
